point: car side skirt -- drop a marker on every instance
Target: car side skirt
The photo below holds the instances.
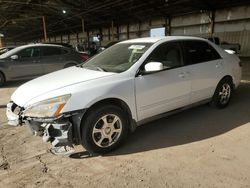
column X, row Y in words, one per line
column 169, row 113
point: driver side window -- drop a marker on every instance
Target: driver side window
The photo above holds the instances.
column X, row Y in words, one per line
column 169, row 54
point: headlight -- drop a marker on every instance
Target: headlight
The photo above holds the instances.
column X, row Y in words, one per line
column 47, row 108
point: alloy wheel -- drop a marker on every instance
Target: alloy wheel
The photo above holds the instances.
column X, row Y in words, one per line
column 107, row 130
column 225, row 93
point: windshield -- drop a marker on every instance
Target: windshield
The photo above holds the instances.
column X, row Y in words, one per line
column 117, row 58
column 10, row 52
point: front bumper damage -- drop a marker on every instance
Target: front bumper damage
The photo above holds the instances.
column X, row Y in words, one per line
column 13, row 118
column 60, row 131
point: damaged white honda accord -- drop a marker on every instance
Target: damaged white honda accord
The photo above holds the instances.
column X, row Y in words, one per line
column 98, row 103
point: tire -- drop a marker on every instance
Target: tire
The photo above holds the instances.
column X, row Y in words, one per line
column 99, row 137
column 223, row 93
column 69, row 65
column 2, row 79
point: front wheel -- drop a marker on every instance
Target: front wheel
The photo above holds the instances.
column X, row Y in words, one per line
column 223, row 93
column 104, row 129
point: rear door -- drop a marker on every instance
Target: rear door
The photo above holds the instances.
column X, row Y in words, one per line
column 166, row 90
column 205, row 67
column 28, row 64
column 52, row 58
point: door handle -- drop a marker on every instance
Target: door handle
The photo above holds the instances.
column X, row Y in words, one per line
column 217, row 65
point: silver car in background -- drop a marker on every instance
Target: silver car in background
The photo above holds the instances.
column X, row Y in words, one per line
column 30, row 61
column 6, row 49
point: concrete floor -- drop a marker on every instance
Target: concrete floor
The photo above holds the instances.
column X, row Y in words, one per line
column 200, row 147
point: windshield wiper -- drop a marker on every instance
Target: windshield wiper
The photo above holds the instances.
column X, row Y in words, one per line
column 100, row 69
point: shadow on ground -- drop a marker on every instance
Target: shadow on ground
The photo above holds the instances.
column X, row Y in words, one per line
column 3, row 106
column 11, row 84
column 189, row 126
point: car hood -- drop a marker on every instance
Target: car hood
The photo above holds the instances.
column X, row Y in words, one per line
column 54, row 81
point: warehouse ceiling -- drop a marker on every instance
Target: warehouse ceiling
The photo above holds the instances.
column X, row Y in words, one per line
column 21, row 20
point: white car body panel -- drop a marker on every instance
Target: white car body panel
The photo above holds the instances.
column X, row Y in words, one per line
column 84, row 93
column 205, row 77
column 231, row 66
column 54, row 81
column 163, row 91
column 146, row 96
column 61, row 106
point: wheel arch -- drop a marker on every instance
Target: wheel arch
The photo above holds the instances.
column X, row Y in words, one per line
column 69, row 64
column 109, row 101
column 227, row 77
column 113, row 101
column 214, row 100
column 224, row 77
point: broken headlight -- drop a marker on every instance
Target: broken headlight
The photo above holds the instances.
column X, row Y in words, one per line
column 47, row 108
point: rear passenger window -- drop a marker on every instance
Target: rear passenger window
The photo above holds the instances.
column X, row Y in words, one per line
column 49, row 51
column 198, row 52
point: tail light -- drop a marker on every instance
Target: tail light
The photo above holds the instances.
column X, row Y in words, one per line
column 84, row 57
column 240, row 63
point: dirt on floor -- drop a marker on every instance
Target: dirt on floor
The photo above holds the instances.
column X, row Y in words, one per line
column 200, row 147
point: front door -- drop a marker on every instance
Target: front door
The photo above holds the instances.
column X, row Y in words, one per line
column 166, row 90
column 27, row 65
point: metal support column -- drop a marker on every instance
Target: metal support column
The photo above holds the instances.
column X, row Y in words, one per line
column 1, row 42
column 168, row 26
column 127, row 31
column 83, row 30
column 112, row 30
column 212, row 18
column 44, row 30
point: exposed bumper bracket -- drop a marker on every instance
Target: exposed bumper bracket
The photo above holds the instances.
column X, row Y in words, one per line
column 13, row 119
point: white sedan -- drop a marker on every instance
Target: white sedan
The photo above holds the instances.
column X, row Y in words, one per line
column 98, row 103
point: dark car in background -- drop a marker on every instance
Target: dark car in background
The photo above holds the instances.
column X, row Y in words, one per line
column 226, row 45
column 101, row 48
column 30, row 61
column 84, row 55
column 60, row 43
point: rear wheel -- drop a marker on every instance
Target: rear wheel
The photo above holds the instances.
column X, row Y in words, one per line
column 223, row 93
column 2, row 79
column 104, row 129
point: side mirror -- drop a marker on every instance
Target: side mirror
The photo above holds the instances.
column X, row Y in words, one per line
column 153, row 67
column 14, row 57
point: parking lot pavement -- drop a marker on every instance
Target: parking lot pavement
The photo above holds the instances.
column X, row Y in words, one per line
column 200, row 147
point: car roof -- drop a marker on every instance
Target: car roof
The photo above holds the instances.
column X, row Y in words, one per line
column 30, row 45
column 8, row 47
column 38, row 44
column 156, row 39
column 60, row 44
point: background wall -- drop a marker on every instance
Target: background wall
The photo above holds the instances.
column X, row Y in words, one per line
column 230, row 25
